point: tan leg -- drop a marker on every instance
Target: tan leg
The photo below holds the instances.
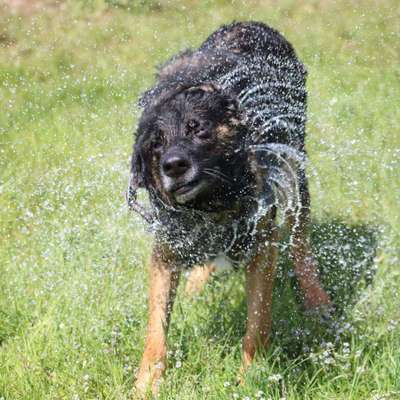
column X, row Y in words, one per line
column 164, row 280
column 305, row 264
column 198, row 278
column 306, row 270
column 260, row 275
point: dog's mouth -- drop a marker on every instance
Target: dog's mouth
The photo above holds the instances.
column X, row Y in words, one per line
column 189, row 190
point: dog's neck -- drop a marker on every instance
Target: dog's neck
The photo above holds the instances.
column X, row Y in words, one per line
column 222, row 213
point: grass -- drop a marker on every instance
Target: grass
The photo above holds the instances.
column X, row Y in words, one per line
column 72, row 259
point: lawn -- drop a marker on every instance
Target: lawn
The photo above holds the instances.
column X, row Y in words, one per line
column 73, row 259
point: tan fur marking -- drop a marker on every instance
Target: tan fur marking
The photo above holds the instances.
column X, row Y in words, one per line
column 305, row 264
column 224, row 130
column 208, row 88
column 163, row 284
column 198, row 278
column 260, row 276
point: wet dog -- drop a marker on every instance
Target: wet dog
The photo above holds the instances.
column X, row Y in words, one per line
column 220, row 150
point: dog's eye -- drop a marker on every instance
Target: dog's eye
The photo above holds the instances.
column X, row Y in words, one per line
column 203, row 134
column 193, row 127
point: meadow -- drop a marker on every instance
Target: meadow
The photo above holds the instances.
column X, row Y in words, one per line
column 73, row 280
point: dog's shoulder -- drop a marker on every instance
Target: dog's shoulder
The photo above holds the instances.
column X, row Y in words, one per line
column 249, row 38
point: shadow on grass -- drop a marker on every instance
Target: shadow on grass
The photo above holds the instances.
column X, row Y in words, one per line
column 345, row 254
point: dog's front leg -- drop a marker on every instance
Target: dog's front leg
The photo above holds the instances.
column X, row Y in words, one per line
column 164, row 278
column 260, row 275
column 305, row 264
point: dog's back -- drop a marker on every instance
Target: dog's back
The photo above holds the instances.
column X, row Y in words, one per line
column 258, row 66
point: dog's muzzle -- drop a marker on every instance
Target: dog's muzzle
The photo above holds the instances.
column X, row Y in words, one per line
column 180, row 177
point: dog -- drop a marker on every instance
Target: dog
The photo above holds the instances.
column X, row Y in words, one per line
column 220, row 151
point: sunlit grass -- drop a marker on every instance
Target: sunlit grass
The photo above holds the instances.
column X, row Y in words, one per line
column 72, row 259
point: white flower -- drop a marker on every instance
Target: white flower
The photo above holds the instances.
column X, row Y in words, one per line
column 333, row 101
column 275, row 378
column 329, row 361
column 360, row 370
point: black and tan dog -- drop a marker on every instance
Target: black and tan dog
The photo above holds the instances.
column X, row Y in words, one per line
column 220, row 149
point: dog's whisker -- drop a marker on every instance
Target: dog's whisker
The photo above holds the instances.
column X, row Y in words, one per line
column 218, row 171
column 217, row 174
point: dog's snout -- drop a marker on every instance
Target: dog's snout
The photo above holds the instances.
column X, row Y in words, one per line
column 175, row 165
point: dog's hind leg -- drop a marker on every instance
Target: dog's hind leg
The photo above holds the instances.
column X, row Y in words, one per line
column 164, row 278
column 198, row 278
column 260, row 276
column 305, row 264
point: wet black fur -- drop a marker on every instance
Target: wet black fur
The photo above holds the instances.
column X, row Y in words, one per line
column 189, row 89
column 206, row 111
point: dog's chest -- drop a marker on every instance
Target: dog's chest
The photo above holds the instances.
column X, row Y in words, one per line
column 196, row 239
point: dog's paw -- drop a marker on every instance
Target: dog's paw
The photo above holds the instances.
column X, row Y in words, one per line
column 149, row 380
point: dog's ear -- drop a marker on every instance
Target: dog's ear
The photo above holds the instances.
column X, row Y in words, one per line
column 204, row 88
column 136, row 181
column 230, row 101
column 136, row 178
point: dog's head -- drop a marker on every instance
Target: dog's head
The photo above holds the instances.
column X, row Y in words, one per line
column 189, row 149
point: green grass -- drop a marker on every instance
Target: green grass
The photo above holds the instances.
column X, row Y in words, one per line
column 72, row 259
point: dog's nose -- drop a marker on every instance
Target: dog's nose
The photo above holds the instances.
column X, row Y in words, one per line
column 175, row 165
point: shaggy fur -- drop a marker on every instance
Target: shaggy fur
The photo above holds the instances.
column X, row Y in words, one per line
column 219, row 148
column 247, row 85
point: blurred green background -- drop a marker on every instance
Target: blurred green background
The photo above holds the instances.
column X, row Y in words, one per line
column 72, row 258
